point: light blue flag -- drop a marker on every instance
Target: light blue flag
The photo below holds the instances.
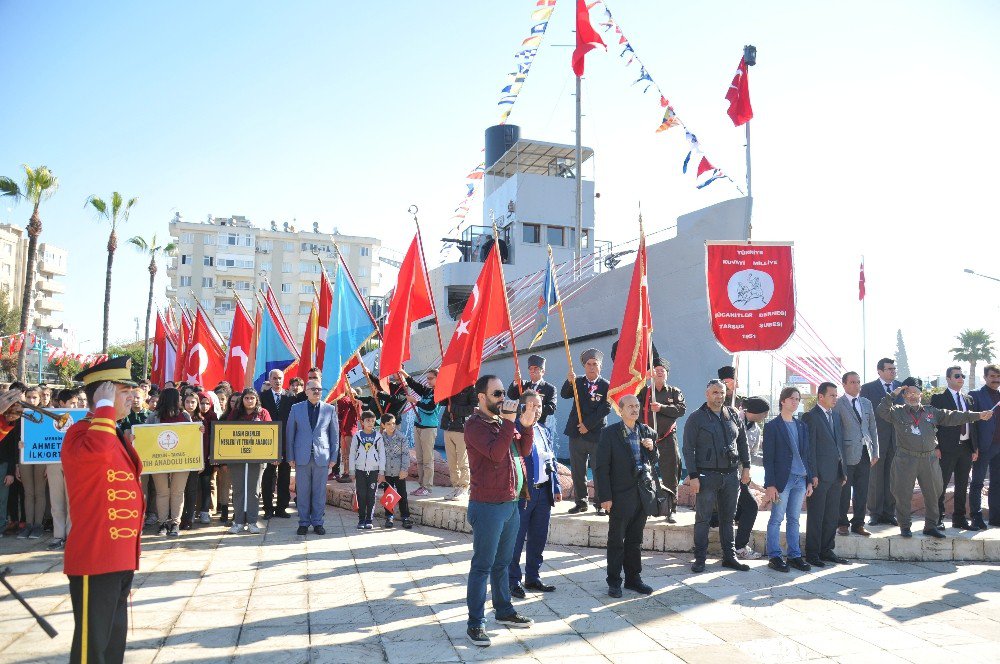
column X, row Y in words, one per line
column 546, row 300
column 272, row 353
column 349, row 327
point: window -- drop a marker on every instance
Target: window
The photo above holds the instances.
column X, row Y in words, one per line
column 186, row 259
column 206, row 303
column 266, row 267
column 6, row 269
column 186, row 238
column 362, row 272
column 532, row 234
column 244, row 286
column 555, row 235
column 305, row 309
column 365, row 251
column 586, row 237
column 345, row 249
column 264, row 244
column 208, row 239
column 236, row 239
column 364, row 291
column 208, row 260
column 286, row 288
column 244, row 263
column 225, row 326
column 286, row 309
column 227, row 283
column 309, row 267
column 289, row 246
column 305, row 289
column 207, row 282
column 286, row 268
column 184, row 281
column 224, row 307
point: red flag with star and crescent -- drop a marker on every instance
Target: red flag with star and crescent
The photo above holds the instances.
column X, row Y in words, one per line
column 241, row 347
column 485, row 315
column 634, row 343
column 206, row 362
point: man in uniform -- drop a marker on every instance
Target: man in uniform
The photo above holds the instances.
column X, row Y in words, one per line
column 915, row 428
column 536, row 382
column 102, row 485
column 668, row 405
column 592, row 391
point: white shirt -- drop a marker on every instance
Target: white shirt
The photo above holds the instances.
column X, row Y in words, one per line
column 957, row 398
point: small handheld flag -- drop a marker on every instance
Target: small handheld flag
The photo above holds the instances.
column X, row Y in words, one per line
column 547, row 299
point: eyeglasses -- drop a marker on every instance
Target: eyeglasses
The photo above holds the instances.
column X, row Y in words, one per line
column 959, row 376
column 496, row 394
column 315, row 389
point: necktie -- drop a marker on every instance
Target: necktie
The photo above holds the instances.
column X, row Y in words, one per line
column 888, row 388
column 959, row 401
column 277, row 399
column 854, row 405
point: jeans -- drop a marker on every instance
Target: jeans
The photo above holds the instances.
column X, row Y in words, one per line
column 788, row 508
column 533, row 531
column 494, row 531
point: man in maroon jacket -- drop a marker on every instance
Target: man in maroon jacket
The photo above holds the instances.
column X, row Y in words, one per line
column 497, row 480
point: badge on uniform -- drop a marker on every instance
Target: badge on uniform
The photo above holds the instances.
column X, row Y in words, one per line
column 915, row 430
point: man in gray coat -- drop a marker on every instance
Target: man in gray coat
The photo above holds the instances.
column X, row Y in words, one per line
column 859, row 451
column 312, row 440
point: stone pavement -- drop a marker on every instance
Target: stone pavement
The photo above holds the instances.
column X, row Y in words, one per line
column 399, row 596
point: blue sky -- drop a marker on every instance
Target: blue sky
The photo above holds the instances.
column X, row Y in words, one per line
column 874, row 132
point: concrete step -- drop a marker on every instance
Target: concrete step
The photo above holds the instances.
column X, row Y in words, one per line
column 591, row 530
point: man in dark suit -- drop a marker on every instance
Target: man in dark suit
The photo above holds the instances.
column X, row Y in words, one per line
column 958, row 448
column 624, row 482
column 592, row 391
column 988, row 461
column 881, row 504
column 823, row 506
column 277, row 402
column 536, row 382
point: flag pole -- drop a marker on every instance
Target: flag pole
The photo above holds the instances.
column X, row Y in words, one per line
column 750, row 58
column 864, row 329
column 510, row 325
column 651, row 391
column 579, row 176
column 413, row 209
column 562, row 321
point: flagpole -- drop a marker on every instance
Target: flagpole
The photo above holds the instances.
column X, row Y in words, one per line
column 864, row 330
column 579, row 177
column 750, row 58
column 510, row 325
column 413, row 209
column 651, row 392
column 562, row 321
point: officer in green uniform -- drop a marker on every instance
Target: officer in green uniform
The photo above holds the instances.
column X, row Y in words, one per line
column 915, row 426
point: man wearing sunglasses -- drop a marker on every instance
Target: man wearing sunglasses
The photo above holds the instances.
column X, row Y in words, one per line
column 312, row 441
column 958, row 448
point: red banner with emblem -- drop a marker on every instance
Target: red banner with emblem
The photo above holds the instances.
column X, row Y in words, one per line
column 751, row 294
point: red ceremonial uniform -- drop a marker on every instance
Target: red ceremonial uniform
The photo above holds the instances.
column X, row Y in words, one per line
column 102, row 486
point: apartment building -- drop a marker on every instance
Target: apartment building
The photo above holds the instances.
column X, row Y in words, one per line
column 223, row 258
column 50, row 267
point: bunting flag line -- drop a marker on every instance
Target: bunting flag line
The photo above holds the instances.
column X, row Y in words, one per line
column 704, row 165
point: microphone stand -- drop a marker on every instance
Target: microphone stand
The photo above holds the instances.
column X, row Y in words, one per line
column 42, row 622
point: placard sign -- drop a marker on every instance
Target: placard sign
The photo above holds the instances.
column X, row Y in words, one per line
column 43, row 440
column 245, row 442
column 169, row 448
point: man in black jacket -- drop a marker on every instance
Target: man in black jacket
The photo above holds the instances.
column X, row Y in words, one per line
column 624, row 484
column 826, row 439
column 536, row 382
column 277, row 402
column 958, row 448
column 592, row 391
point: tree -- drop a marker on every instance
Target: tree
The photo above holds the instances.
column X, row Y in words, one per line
column 902, row 363
column 973, row 346
column 39, row 185
column 10, row 316
column 116, row 214
column 133, row 349
column 151, row 249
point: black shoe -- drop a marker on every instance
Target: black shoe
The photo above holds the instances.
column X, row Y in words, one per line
column 995, row 524
column 835, row 559
column 960, row 522
column 576, row 509
column 614, row 591
column 732, row 563
column 815, row 562
column 479, row 637
column 799, row 564
column 282, row 514
column 639, row 587
column 940, row 524
column 905, row 532
column 671, row 518
column 516, row 620
column 934, row 532
column 539, row 586
column 319, row 530
column 601, row 511
column 407, row 524
column 517, row 591
column 303, row 530
column 388, row 523
column 698, row 566
column 267, row 515
column 978, row 523
column 777, row 564
column 891, row 520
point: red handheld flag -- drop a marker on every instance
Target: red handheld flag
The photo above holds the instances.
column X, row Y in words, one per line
column 485, row 315
column 632, row 359
column 587, row 38
column 390, row 497
column 738, row 96
column 410, row 302
column 861, row 282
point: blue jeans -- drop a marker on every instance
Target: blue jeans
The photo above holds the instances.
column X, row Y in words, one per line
column 310, row 492
column 788, row 508
column 494, row 530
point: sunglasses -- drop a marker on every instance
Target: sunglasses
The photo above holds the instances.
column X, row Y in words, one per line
column 959, row 376
column 496, row 394
column 315, row 389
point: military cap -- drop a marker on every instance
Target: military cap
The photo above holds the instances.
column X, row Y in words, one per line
column 536, row 361
column 756, row 406
column 727, row 372
column 117, row 370
column 913, row 382
column 591, row 354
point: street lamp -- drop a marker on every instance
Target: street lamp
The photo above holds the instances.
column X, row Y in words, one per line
column 984, row 276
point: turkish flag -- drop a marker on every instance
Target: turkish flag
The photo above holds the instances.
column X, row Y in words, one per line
column 183, row 343
column 164, row 354
column 632, row 361
column 390, row 497
column 206, row 362
column 738, row 96
column 240, row 348
column 325, row 308
column 410, row 302
column 587, row 38
column 861, row 282
column 485, row 315
column 307, row 358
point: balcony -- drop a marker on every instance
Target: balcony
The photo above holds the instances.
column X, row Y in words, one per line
column 50, row 267
column 49, row 286
column 48, row 304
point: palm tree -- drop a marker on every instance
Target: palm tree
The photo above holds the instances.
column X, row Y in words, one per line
column 974, row 345
column 39, row 185
column 116, row 214
column 151, row 249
